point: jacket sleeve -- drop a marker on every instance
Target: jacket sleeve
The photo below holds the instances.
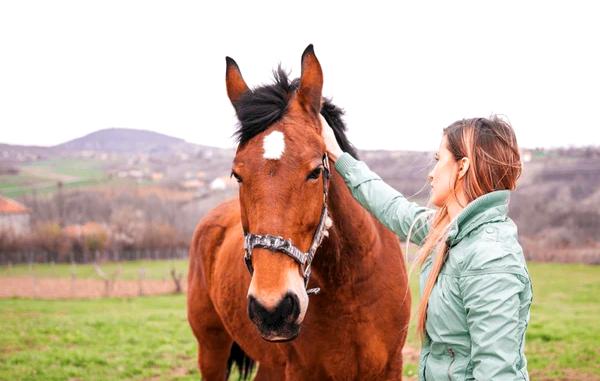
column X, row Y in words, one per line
column 492, row 303
column 388, row 205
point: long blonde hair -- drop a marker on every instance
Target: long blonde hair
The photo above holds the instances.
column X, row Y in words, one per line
column 495, row 164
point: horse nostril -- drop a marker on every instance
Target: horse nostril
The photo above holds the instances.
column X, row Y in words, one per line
column 290, row 307
column 286, row 307
column 251, row 307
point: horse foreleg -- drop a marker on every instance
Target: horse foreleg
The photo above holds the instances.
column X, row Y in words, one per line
column 212, row 357
column 214, row 343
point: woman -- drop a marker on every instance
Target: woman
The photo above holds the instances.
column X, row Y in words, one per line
column 475, row 289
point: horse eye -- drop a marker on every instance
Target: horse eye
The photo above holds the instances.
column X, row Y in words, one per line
column 237, row 177
column 315, row 173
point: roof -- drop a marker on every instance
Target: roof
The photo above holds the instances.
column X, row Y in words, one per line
column 10, row 206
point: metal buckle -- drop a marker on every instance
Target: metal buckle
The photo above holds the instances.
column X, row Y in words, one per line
column 326, row 163
column 313, row 291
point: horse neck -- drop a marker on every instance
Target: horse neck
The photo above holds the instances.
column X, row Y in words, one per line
column 350, row 239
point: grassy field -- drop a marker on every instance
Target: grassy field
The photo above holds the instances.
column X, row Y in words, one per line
column 129, row 270
column 148, row 337
column 44, row 175
column 563, row 337
column 105, row 339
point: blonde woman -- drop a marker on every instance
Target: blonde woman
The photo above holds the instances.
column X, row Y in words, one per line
column 475, row 289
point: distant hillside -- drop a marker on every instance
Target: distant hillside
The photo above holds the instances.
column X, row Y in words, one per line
column 123, row 140
column 556, row 205
column 11, row 154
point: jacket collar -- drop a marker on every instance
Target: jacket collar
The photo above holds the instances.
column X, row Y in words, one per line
column 489, row 207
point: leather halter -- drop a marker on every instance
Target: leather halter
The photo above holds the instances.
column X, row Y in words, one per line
column 279, row 244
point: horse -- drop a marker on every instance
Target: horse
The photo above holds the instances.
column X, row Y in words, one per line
column 250, row 258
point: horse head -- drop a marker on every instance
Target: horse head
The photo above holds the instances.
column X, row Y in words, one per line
column 282, row 170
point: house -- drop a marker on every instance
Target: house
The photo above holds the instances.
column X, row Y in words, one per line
column 222, row 183
column 14, row 217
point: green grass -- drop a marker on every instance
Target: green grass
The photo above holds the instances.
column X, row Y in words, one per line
column 106, row 339
column 44, row 175
column 142, row 338
column 130, row 270
column 83, row 168
column 563, row 336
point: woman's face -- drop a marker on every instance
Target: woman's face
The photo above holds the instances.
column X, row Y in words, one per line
column 443, row 175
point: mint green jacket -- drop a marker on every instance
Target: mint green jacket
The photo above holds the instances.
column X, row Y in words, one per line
column 479, row 307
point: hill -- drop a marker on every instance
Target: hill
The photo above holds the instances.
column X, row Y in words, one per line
column 123, row 140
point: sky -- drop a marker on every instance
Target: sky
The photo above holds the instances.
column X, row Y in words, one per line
column 402, row 70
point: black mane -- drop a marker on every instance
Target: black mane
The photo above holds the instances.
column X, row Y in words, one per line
column 259, row 108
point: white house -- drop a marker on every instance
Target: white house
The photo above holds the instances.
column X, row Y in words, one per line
column 14, row 217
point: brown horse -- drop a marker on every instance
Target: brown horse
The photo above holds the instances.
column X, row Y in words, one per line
column 356, row 326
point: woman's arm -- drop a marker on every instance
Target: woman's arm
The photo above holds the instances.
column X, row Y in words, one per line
column 387, row 204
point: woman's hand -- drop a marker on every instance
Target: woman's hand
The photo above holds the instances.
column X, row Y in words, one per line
column 329, row 138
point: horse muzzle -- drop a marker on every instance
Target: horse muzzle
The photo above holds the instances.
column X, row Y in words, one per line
column 279, row 323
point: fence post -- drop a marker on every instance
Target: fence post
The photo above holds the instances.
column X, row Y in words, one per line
column 176, row 279
column 73, row 279
column 141, row 275
column 33, row 280
column 109, row 282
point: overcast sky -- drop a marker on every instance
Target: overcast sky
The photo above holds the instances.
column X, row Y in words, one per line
column 401, row 72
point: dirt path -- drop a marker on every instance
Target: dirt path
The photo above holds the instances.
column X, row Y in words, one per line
column 59, row 288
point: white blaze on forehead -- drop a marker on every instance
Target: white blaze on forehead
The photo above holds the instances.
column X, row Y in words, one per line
column 274, row 145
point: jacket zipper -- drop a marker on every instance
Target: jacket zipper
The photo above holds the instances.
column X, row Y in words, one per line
column 451, row 363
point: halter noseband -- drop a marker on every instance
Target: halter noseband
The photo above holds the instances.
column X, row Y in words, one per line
column 285, row 246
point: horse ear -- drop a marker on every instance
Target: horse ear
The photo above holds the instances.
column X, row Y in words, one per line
column 311, row 80
column 236, row 86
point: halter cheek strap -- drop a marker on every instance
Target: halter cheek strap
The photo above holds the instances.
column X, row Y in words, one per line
column 279, row 244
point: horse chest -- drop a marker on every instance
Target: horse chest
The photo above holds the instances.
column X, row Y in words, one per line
column 346, row 350
column 364, row 361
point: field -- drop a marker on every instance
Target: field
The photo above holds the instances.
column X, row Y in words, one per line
column 103, row 339
column 148, row 338
column 43, row 176
column 129, row 270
